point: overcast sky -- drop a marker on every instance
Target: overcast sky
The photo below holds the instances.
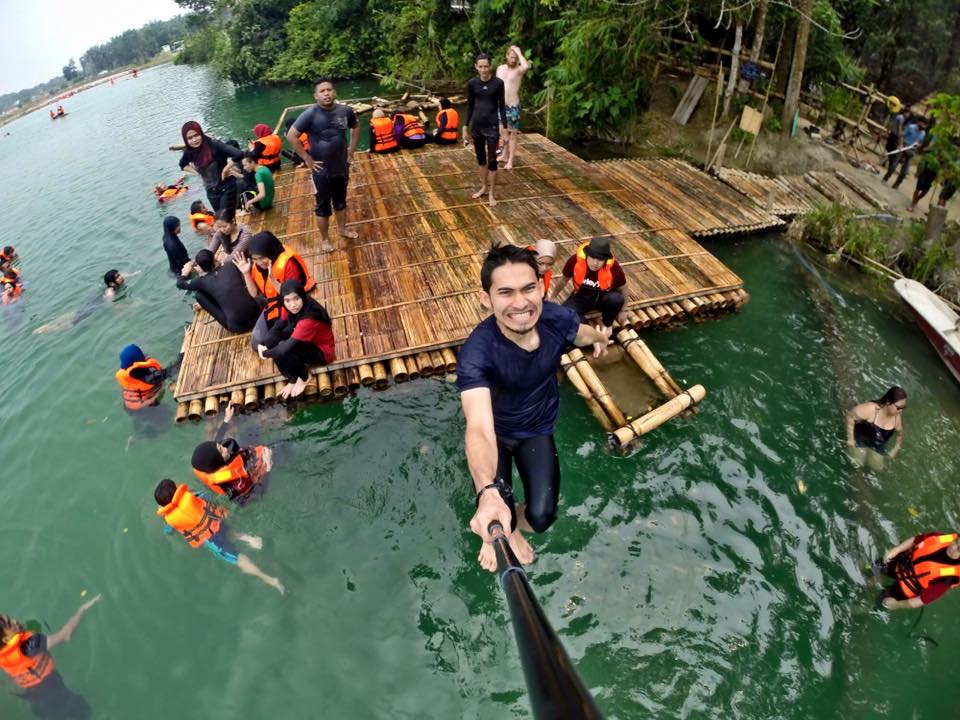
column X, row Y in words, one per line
column 40, row 36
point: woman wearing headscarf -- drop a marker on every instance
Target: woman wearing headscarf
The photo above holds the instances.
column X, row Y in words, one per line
column 177, row 254
column 270, row 264
column 266, row 147
column 309, row 338
column 231, row 470
column 221, row 292
column 208, row 158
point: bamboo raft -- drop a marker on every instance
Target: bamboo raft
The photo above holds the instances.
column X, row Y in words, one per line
column 684, row 197
column 403, row 296
column 791, row 195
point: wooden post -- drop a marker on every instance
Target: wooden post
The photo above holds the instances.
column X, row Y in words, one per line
column 792, row 101
column 936, row 219
column 713, row 122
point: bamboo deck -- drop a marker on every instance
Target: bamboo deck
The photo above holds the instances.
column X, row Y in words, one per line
column 791, row 195
column 403, row 296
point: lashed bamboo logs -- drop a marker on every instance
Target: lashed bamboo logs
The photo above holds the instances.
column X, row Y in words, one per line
column 413, row 372
column 278, row 387
column 380, row 379
column 181, row 412
column 250, row 399
column 399, row 370
column 597, row 389
column 196, row 410
column 424, row 365
column 236, row 398
column 224, row 401
column 340, row 386
column 570, row 369
column 211, row 405
column 438, row 363
column 353, row 378
column 449, row 359
column 658, row 416
column 366, row 374
column 646, row 361
column 324, row 384
column 310, row 389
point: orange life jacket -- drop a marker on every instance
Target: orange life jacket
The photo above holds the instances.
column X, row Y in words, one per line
column 604, row 275
column 6, row 258
column 138, row 394
column 271, row 149
column 267, row 288
column 916, row 573
column 452, row 121
column 305, row 141
column 26, row 671
column 197, row 218
column 233, row 471
column 17, row 290
column 411, row 126
column 191, row 516
column 383, row 138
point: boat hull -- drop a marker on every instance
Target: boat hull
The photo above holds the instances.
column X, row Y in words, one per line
column 938, row 322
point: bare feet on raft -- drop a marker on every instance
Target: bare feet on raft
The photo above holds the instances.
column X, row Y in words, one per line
column 479, row 193
column 493, row 200
column 508, row 165
column 325, row 245
column 292, row 390
column 348, row 233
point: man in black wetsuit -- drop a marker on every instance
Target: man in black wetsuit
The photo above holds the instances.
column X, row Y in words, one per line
column 329, row 156
column 486, row 118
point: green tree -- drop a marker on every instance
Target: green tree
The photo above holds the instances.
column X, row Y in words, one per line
column 71, row 71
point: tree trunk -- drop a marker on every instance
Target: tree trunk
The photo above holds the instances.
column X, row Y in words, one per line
column 792, row 101
column 734, row 69
column 758, row 33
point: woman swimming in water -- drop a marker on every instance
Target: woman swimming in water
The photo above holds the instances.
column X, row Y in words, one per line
column 870, row 426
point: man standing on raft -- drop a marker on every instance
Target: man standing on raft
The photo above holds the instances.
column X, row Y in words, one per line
column 485, row 107
column 507, row 376
column 329, row 157
column 512, row 73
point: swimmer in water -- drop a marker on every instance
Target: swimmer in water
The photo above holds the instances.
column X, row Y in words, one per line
column 228, row 469
column 202, row 524
column 924, row 568
column 25, row 657
column 115, row 281
column 870, row 426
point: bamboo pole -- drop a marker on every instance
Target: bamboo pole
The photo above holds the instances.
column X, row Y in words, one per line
column 424, row 364
column 311, row 387
column 569, row 368
column 195, row 411
column 597, row 389
column 634, row 347
column 437, row 362
column 366, row 374
column 181, row 412
column 413, row 372
column 353, row 378
column 278, row 387
column 340, row 386
column 269, row 394
column 380, row 380
column 211, row 405
column 449, row 358
column 250, row 400
column 399, row 370
column 658, row 416
column 324, row 385
column 236, row 398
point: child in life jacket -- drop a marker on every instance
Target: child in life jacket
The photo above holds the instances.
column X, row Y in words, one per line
column 11, row 285
column 231, row 470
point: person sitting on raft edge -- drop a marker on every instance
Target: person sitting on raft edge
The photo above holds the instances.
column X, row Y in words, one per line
column 382, row 139
column 597, row 279
column 924, row 568
column 228, row 469
column 202, row 525
column 25, row 657
column 141, row 378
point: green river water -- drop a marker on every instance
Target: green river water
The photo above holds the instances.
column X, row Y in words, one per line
column 691, row 579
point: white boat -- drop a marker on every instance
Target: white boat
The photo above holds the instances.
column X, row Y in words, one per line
column 938, row 321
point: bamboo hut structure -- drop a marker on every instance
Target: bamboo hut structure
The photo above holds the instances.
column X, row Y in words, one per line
column 403, row 296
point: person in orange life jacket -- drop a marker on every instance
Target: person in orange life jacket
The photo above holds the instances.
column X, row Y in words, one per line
column 923, row 567
column 201, row 218
column 266, row 256
column 266, row 147
column 228, row 469
column 230, row 236
column 308, row 338
column 141, row 378
column 448, row 121
column 8, row 254
column 52, row 115
column 304, row 140
column 597, row 277
column 60, row 110
column 12, row 288
column 382, row 138
column 546, row 255
column 25, row 657
column 408, row 131
column 202, row 525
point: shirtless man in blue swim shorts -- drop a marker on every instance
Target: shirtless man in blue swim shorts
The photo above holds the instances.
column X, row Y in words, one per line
column 512, row 73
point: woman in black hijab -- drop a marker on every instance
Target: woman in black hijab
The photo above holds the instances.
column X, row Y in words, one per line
column 222, row 293
column 207, row 158
column 309, row 338
column 177, row 254
column 231, row 470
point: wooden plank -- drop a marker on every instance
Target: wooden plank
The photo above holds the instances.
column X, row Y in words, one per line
column 690, row 100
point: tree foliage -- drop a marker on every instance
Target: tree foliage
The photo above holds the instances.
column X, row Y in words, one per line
column 133, row 46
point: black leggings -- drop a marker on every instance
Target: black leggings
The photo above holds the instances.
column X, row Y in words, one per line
column 485, row 146
column 293, row 364
column 608, row 303
column 52, row 700
column 223, row 195
column 539, row 468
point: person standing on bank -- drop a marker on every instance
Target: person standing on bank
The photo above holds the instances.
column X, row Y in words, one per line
column 486, row 120
column 507, row 377
column 512, row 73
column 329, row 158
